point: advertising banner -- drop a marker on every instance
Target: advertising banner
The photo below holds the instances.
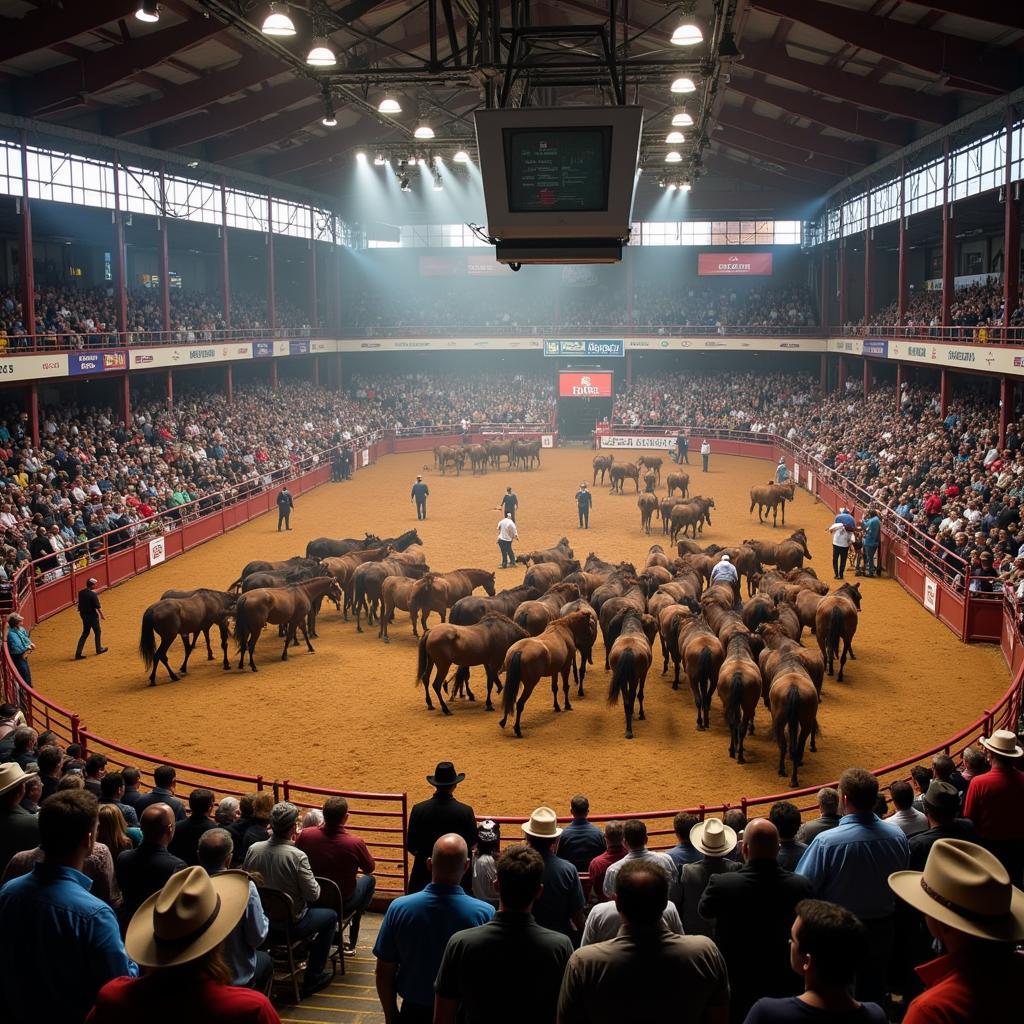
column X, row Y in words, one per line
column 616, row 348
column 366, row 457
column 157, row 551
column 282, row 348
column 726, row 264
column 33, row 367
column 547, row 441
column 810, row 481
column 96, row 362
column 931, row 593
column 796, row 472
column 637, row 441
column 876, row 347
column 585, row 385
column 299, row 347
column 262, row 349
column 180, row 355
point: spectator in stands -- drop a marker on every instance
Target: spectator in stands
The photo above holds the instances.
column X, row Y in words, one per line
column 580, row 841
column 228, row 811
column 19, row 645
column 10, row 718
column 849, row 864
column 48, row 761
column 112, row 791
column 941, row 807
column 62, row 943
column 645, row 973
column 33, row 791
column 254, row 827
column 635, row 834
column 995, row 802
column 282, row 865
column 19, row 830
column 922, row 779
column 604, row 921
column 113, row 833
column 250, row 966
column 715, row 841
column 615, row 850
column 430, row 819
column 977, row 915
column 178, row 936
column 944, row 769
column 143, row 871
column 338, row 855
column 560, row 906
column 476, row 960
column 684, row 852
column 132, row 793
column 974, row 763
column 786, row 818
column 827, row 947
column 312, row 818
column 760, row 891
column 161, row 793
column 187, row 833
column 906, row 816
column 95, row 769
column 415, row 932
column 23, row 747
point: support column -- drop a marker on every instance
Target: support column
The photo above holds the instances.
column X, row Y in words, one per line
column 271, row 301
column 901, row 274
column 948, row 242
column 27, row 269
column 225, row 277
column 170, row 387
column 943, row 393
column 823, row 374
column 1006, row 389
column 823, row 314
column 869, row 245
column 842, row 283
column 314, row 318
column 273, row 373
column 867, row 376
column 337, row 371
column 126, row 400
column 629, row 368
column 33, row 412
column 899, row 386
column 630, row 284
column 229, row 383
column 165, row 272
column 120, row 274
column 841, row 382
column 316, row 371
column 1011, row 229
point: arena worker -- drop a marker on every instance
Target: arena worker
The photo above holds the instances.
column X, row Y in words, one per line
column 509, row 503
column 285, row 504
column 705, row 454
column 91, row 612
column 842, row 537
column 419, row 495
column 507, row 532
column 584, row 502
column 781, row 471
column 725, row 572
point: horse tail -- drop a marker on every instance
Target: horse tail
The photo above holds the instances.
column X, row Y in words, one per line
column 359, row 593
column 236, row 587
column 621, row 676
column 241, row 625
column 792, row 712
column 835, row 628
column 508, row 697
column 703, row 669
column 424, row 664
column 147, row 641
column 735, row 697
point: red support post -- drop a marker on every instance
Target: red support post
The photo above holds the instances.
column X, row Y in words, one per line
column 867, row 376
column 126, row 400
column 271, row 300
column 1011, row 229
column 229, row 383
column 948, row 241
column 1006, row 389
column 842, row 375
column 899, row 386
column 823, row 315
column 120, row 273
column 869, row 245
column 33, row 412
column 165, row 265
column 316, row 371
column 225, row 276
column 170, row 387
column 27, row 267
column 943, row 393
column 901, row 274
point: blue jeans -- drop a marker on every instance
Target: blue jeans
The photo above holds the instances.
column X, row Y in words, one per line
column 358, row 902
column 870, row 554
column 322, row 924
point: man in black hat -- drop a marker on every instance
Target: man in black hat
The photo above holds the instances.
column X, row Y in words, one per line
column 91, row 612
column 436, row 817
column 285, row 504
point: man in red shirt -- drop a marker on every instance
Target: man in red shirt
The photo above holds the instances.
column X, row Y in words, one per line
column 616, row 850
column 995, row 802
column 336, row 854
column 971, row 907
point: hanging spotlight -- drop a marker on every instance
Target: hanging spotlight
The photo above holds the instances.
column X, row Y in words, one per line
column 674, row 138
column 682, row 119
column 321, row 55
column 462, row 157
column 149, row 10
column 661, row 183
column 727, row 47
column 389, row 105
column 404, row 184
column 379, row 160
column 683, row 85
column 438, row 183
column 686, row 186
column 423, row 131
column 673, row 157
column 361, row 157
column 330, row 119
column 422, row 161
column 688, row 33
column 278, row 22
column 672, row 186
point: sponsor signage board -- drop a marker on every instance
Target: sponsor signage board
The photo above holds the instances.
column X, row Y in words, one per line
column 614, row 347
column 637, row 441
column 298, row 347
column 931, row 594
column 282, row 348
column 97, row 362
column 547, row 440
column 636, row 344
column 262, row 349
column 157, row 551
column 33, row 367
column 189, row 355
column 584, row 385
column 731, row 264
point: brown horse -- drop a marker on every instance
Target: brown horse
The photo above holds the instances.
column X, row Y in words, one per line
column 343, row 568
column 680, row 480
column 665, row 507
column 327, row 547
column 619, row 474
column 768, row 499
column 437, row 592
column 648, row 504
column 368, row 579
column 602, row 463
column 478, row 457
column 468, row 611
column 484, row 643
column 739, row 686
column 612, row 611
column 285, row 565
column 545, row 575
column 789, row 554
column 586, row 652
column 534, row 616
column 526, row 453
column 553, row 653
column 803, row 602
column 185, row 614
column 690, row 515
column 561, row 553
column 288, row 606
column 588, row 582
column 631, row 658
column 835, row 621
column 670, row 618
column 653, row 463
column 616, row 585
column 758, row 609
column 702, row 654
column 395, row 595
column 776, row 645
column 794, row 707
column 454, row 457
column 656, row 556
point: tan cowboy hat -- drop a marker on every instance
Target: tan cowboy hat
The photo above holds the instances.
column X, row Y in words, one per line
column 965, row 887
column 713, row 838
column 11, row 775
column 1002, row 742
column 192, row 914
column 543, row 824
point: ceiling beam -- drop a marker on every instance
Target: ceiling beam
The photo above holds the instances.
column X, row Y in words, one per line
column 939, row 53
column 266, row 133
column 723, row 165
column 42, row 29
column 316, row 152
column 184, row 99
column 782, row 152
column 854, row 153
column 844, row 117
column 764, row 149
column 995, row 12
column 101, row 70
column 889, row 99
column 220, row 118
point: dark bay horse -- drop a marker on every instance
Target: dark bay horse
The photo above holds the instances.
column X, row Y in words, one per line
column 602, row 463
column 794, row 707
column 437, row 592
column 484, row 643
column 368, row 579
column 619, row 474
column 185, row 614
column 326, row 547
column 285, row 564
column 535, row 615
column 739, row 687
column 835, row 621
column 631, row 658
column 702, row 654
column 468, row 611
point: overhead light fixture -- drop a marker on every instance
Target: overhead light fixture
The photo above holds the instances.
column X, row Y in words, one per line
column 683, row 85
column 686, row 186
column 149, row 10
column 438, row 183
column 661, row 183
column 404, row 183
column 673, row 157
column 330, row 119
column 462, row 157
column 389, row 105
column 727, row 47
column 682, row 119
column 674, row 138
column 688, row 33
column 423, row 131
column 361, row 157
column 278, row 22
column 193, row 163
column 321, row 54
column 672, row 186
column 422, row 161
column 379, row 160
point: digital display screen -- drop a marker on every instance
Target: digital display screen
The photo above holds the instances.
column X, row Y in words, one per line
column 584, row 385
column 558, row 170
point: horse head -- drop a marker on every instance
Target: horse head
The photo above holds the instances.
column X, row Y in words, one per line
column 488, row 584
column 852, row 591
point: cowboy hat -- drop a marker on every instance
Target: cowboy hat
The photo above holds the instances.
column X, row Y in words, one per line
column 713, row 838
column 964, row 887
column 11, row 775
column 192, row 914
column 543, row 824
column 1002, row 742
column 445, row 775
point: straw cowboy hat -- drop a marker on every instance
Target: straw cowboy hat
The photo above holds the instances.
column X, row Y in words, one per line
column 11, row 775
column 543, row 824
column 964, row 887
column 713, row 838
column 1002, row 742
column 192, row 914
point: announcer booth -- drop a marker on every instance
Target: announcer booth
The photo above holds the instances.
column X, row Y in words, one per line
column 586, row 371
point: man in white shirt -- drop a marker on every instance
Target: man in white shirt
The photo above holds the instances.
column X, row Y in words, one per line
column 635, row 835
column 507, row 533
column 604, row 921
column 841, row 538
column 705, row 453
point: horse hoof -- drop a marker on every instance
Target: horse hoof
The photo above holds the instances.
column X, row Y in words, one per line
column 445, row 711
column 152, row 683
column 175, row 678
column 488, row 706
column 741, row 760
column 629, row 735
column 519, row 734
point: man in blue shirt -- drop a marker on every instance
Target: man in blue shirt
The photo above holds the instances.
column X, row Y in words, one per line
column 872, row 527
column 65, row 945
column 584, row 501
column 19, row 644
column 416, row 929
column 581, row 841
column 846, row 519
column 850, row 865
column 560, row 905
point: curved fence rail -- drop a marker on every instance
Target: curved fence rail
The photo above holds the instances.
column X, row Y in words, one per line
column 382, row 818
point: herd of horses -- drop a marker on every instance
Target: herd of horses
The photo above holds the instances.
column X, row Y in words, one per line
column 518, row 454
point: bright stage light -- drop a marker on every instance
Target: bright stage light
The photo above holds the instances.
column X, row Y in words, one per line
column 278, row 22
column 673, row 157
column 389, row 105
column 683, row 85
column 462, row 157
column 674, row 138
column 423, row 131
column 688, row 33
column 682, row 119
column 320, row 54
column 379, row 160
column 361, row 157
column 149, row 11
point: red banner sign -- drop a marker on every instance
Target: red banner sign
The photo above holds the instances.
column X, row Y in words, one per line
column 585, row 385
column 730, row 264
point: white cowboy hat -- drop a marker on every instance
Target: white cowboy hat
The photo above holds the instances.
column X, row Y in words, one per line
column 11, row 775
column 713, row 838
column 725, row 558
column 965, row 887
column 543, row 824
column 1002, row 742
column 189, row 916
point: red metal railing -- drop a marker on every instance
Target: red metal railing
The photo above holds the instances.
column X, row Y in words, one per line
column 957, row 334
column 569, row 330
column 25, row 344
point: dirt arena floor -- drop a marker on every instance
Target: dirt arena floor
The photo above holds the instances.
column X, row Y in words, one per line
column 350, row 716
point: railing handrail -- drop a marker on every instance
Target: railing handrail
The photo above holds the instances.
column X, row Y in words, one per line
column 88, row 341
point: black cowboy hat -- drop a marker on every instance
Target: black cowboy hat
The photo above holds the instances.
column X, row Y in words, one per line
column 445, row 775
